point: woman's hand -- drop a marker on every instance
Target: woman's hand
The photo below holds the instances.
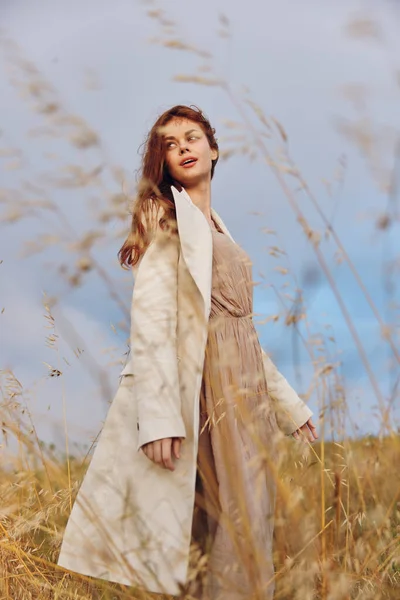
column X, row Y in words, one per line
column 308, row 430
column 162, row 451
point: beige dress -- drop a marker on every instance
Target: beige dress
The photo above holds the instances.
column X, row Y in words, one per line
column 235, row 487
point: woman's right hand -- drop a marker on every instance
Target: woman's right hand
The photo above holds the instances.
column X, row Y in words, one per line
column 162, row 451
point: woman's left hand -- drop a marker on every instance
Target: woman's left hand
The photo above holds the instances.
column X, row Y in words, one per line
column 308, row 430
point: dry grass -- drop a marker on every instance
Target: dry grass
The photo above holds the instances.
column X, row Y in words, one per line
column 336, row 534
column 338, row 510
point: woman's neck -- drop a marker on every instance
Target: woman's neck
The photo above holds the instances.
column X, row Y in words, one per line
column 201, row 197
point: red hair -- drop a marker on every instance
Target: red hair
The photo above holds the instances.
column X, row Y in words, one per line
column 154, row 204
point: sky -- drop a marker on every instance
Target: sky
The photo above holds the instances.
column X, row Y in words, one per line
column 298, row 61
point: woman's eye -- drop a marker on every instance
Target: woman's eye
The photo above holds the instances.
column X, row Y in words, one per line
column 170, row 145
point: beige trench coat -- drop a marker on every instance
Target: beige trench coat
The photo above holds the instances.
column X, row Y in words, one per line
column 131, row 521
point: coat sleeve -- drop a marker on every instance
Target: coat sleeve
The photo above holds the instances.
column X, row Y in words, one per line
column 291, row 412
column 153, row 341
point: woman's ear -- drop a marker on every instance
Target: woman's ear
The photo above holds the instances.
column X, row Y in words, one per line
column 214, row 154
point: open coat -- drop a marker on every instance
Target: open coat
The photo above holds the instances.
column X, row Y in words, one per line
column 131, row 521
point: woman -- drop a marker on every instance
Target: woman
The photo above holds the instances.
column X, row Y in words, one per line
column 185, row 464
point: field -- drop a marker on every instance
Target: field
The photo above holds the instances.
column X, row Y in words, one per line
column 336, row 535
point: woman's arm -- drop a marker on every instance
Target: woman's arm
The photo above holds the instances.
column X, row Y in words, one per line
column 153, row 340
column 291, row 412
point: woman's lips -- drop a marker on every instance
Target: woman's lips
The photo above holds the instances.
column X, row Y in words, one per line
column 190, row 164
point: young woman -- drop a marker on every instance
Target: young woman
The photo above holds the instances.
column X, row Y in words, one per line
column 185, row 466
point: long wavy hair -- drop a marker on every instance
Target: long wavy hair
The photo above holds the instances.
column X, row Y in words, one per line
column 154, row 187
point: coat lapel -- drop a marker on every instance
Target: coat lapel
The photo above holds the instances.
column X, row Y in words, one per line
column 220, row 222
column 196, row 242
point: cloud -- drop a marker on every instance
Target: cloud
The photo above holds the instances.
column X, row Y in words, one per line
column 294, row 57
column 86, row 350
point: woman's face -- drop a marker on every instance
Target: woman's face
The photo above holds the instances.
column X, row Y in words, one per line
column 187, row 152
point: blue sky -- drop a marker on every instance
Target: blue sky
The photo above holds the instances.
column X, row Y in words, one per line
column 297, row 59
